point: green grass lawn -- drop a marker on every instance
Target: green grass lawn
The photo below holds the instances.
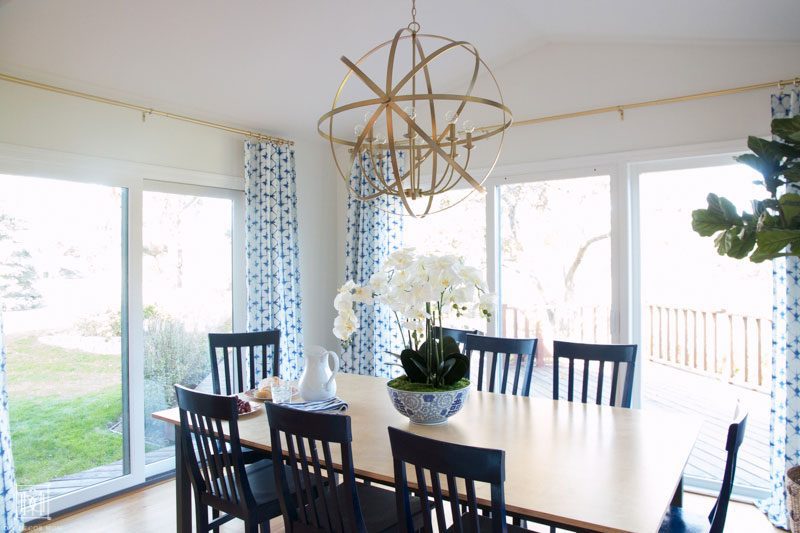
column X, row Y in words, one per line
column 53, row 438
column 61, row 404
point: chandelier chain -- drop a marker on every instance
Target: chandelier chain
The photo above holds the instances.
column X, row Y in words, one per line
column 413, row 25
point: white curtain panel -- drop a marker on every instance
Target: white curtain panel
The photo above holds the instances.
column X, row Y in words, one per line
column 273, row 263
column 784, row 423
column 374, row 230
column 11, row 518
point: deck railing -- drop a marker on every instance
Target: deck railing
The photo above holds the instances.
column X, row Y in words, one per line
column 730, row 346
column 733, row 346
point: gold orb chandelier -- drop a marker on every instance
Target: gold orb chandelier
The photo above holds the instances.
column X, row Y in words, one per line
column 410, row 141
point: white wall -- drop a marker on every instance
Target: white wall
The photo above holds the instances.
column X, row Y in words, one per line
column 564, row 78
column 35, row 118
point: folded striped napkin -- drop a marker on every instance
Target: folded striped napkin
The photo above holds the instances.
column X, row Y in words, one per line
column 333, row 404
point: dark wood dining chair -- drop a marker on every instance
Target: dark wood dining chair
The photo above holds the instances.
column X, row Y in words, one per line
column 433, row 459
column 677, row 520
column 243, row 357
column 458, row 335
column 219, row 477
column 499, row 351
column 323, row 503
column 603, row 354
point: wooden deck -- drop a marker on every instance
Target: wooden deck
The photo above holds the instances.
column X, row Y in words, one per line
column 665, row 388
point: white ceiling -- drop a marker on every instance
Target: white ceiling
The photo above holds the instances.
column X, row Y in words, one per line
column 274, row 66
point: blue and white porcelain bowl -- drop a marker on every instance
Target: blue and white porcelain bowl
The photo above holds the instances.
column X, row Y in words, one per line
column 428, row 408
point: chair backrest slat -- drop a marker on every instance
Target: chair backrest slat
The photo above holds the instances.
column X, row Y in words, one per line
column 438, row 500
column 599, row 395
column 319, row 504
column 617, row 354
column 458, row 335
column 216, row 467
column 503, row 353
column 240, row 354
column 734, row 442
column 455, row 462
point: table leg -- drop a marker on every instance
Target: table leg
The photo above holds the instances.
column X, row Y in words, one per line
column 677, row 499
column 183, row 495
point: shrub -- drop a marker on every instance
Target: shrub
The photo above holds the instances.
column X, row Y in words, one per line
column 171, row 355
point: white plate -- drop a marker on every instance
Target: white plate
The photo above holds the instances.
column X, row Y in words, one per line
column 255, row 407
column 250, row 394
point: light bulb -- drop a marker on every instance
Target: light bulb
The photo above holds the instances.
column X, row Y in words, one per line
column 411, row 111
column 367, row 116
column 358, row 130
column 468, row 126
column 451, row 117
column 380, row 138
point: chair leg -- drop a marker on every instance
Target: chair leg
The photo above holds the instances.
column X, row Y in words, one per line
column 201, row 515
column 250, row 526
column 214, row 516
column 264, row 527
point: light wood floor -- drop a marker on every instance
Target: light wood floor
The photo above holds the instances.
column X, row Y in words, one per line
column 152, row 509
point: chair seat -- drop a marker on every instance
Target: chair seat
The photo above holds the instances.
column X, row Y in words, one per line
column 379, row 509
column 261, row 476
column 250, row 455
column 677, row 520
column 484, row 524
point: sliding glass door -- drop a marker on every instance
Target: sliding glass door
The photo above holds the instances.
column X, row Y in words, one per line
column 187, row 250
column 63, row 285
column 110, row 285
column 705, row 319
column 554, row 271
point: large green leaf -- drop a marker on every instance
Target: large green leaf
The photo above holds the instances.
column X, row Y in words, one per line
column 720, row 215
column 736, row 242
column 790, row 205
column 787, row 129
column 771, row 243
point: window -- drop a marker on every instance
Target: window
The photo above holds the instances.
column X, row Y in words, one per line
column 187, row 293
column 62, row 282
column 610, row 257
column 461, row 230
column 110, row 288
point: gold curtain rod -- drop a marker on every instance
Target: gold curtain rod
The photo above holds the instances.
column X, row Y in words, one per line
column 661, row 101
column 145, row 111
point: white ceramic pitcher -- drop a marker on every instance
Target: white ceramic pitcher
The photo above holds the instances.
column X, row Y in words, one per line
column 318, row 381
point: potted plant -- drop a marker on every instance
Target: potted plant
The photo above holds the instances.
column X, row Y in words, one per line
column 421, row 290
column 773, row 228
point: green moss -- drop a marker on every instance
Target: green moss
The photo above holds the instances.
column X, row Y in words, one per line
column 402, row 383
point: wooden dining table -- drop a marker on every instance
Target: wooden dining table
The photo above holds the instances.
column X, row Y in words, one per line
column 583, row 466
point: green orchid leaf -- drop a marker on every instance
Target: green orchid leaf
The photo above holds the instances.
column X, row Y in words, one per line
column 414, row 365
column 458, row 369
column 450, row 346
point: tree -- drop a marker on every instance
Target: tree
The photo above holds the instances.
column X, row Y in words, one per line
column 17, row 273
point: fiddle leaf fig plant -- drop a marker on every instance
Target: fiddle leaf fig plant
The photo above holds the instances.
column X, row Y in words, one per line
column 772, row 229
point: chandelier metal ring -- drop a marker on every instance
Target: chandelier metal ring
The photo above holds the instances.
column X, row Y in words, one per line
column 438, row 145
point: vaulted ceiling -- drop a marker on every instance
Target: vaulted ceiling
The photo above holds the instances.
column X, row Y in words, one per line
column 274, row 66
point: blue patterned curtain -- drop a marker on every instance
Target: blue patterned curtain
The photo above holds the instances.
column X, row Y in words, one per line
column 784, row 426
column 374, row 230
column 273, row 265
column 11, row 518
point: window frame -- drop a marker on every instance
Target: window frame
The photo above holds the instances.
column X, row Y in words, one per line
column 136, row 178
